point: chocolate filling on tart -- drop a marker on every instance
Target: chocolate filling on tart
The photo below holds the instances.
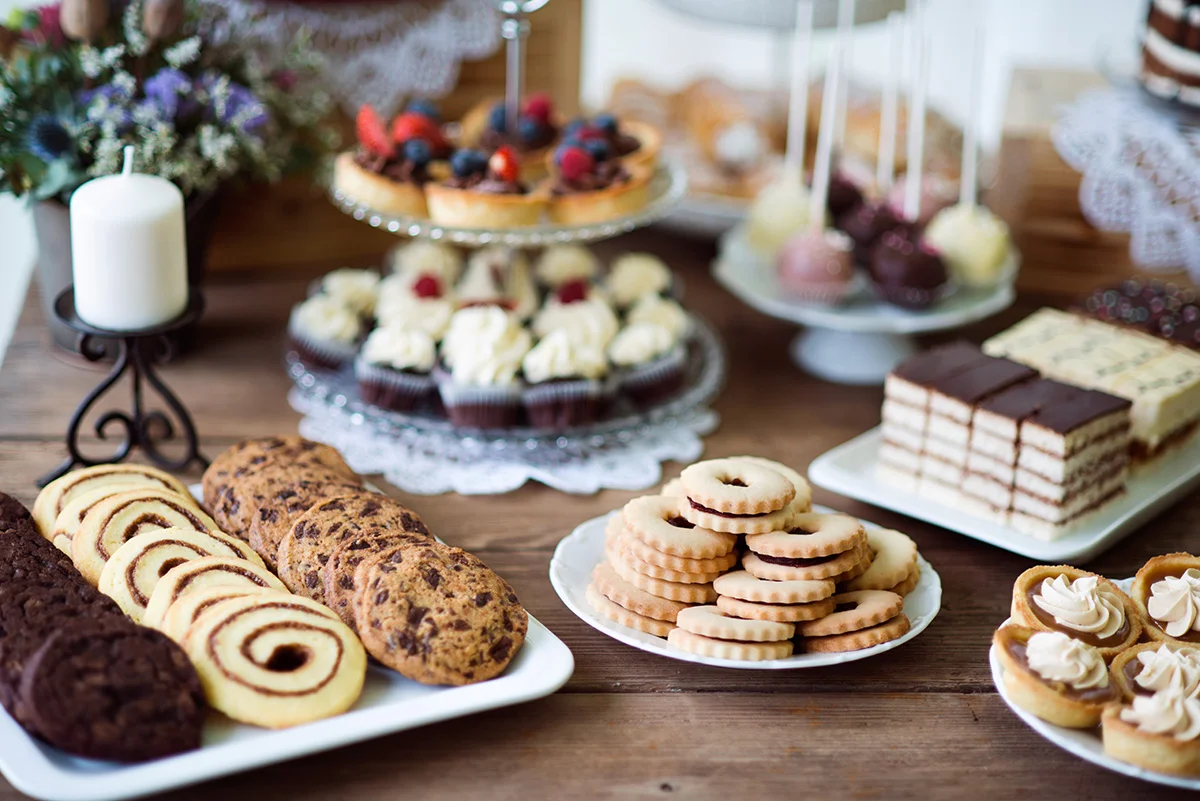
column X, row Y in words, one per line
column 706, row 510
column 606, row 174
column 491, row 139
column 623, row 144
column 487, row 184
column 1191, row 635
column 1091, row 695
column 400, row 170
column 1131, row 670
column 1083, row 636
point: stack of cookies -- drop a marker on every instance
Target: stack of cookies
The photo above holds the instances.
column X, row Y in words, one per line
column 431, row 612
column 740, row 533
column 74, row 671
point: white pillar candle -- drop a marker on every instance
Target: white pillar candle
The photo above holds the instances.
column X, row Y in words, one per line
column 128, row 251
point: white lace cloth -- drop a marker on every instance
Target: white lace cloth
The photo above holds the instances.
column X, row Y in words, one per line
column 376, row 52
column 1141, row 175
column 419, row 462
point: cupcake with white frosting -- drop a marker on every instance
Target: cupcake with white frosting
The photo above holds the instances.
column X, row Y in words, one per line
column 566, row 382
column 588, row 320
column 563, row 264
column 632, row 276
column 426, row 257
column 393, row 368
column 649, row 360
column 481, row 358
column 415, row 304
column 661, row 311
column 502, row 276
column 357, row 289
column 324, row 332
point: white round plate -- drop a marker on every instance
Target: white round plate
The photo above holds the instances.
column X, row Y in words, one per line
column 579, row 553
column 752, row 279
column 1083, row 743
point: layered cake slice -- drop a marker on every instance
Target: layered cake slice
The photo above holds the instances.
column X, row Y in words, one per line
column 1171, row 51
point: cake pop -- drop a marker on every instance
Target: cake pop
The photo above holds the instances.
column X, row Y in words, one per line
column 844, row 193
column 936, row 193
column 867, row 223
column 783, row 207
column 907, row 272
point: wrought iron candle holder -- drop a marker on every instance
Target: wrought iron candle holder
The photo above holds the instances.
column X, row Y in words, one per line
column 137, row 353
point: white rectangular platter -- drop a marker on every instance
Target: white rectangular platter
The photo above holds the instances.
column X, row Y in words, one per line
column 389, row 703
column 849, row 470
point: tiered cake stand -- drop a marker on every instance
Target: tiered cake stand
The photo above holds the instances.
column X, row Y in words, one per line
column 860, row 341
column 422, row 452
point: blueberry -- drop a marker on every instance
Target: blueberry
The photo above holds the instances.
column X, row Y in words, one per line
column 467, row 162
column 529, row 129
column 558, row 151
column 598, row 149
column 496, row 119
column 573, row 126
column 418, row 152
column 426, row 107
column 606, row 122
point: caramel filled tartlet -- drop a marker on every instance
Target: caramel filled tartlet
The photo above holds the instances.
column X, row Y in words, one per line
column 1152, row 667
column 1167, row 593
column 1158, row 732
column 1055, row 677
column 1082, row 605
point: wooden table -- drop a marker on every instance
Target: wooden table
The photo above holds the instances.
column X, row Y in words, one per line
column 922, row 721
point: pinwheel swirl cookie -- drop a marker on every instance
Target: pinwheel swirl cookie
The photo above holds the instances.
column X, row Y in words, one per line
column 204, row 573
column 111, row 478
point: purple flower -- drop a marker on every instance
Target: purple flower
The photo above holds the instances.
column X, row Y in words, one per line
column 47, row 138
column 170, row 91
column 117, row 105
column 243, row 104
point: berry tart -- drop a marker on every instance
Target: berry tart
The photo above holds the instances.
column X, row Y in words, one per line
column 486, row 127
column 485, row 192
column 386, row 175
column 586, row 189
column 635, row 143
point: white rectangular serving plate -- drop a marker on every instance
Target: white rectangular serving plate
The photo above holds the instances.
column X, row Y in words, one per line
column 849, row 470
column 389, row 703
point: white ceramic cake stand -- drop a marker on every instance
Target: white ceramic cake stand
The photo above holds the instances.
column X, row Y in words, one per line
column 860, row 341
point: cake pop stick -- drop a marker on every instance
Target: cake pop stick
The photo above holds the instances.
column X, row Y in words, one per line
column 825, row 134
column 916, row 125
column 968, row 190
column 845, row 37
column 798, row 104
column 885, row 162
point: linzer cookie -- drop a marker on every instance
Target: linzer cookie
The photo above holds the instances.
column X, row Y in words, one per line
column 671, row 590
column 729, row 649
column 622, row 616
column 627, row 559
column 711, row 621
column 748, row 587
column 634, row 599
column 894, row 561
column 658, row 521
column 116, row 519
column 736, row 496
column 782, row 568
column 810, row 536
column 135, row 569
column 276, row 660
column 887, row 631
column 802, row 502
column 201, row 573
column 115, row 477
column 854, row 611
column 437, row 614
column 783, row 613
column 310, row 541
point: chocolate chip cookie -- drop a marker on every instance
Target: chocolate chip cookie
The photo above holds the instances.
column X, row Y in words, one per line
column 437, row 614
column 310, row 541
column 280, row 507
column 338, row 576
column 247, row 457
column 239, row 502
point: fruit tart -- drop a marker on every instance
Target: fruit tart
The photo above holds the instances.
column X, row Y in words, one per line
column 384, row 174
column 633, row 142
column 485, row 192
column 486, row 127
column 586, row 189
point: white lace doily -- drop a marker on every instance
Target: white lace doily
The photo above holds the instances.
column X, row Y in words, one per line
column 375, row 52
column 1141, row 175
column 406, row 459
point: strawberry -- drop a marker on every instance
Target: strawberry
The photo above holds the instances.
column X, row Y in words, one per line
column 586, row 132
column 371, row 133
column 504, row 164
column 575, row 162
column 573, row 291
column 427, row 286
column 539, row 107
column 412, row 125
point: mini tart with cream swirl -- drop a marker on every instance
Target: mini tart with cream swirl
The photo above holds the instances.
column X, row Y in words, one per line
column 1167, row 592
column 1151, row 667
column 1059, row 679
column 1077, row 603
column 1158, row 732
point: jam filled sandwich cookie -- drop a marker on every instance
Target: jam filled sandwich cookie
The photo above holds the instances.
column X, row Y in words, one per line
column 860, row 620
column 624, row 541
column 659, row 522
column 1077, row 603
column 746, row 596
column 783, row 568
column 623, row 617
column 708, row 631
column 735, row 496
column 632, row 599
column 893, row 563
column 275, row 660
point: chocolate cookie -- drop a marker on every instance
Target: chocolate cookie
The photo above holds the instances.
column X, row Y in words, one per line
column 248, row 457
column 281, row 506
column 437, row 614
column 338, row 576
column 112, row 691
column 310, row 541
column 14, row 517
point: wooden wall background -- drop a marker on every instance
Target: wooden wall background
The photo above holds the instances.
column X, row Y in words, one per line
column 292, row 224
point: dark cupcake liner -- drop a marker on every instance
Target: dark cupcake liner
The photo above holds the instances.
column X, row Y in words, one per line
column 655, row 381
column 471, row 406
column 397, row 390
column 560, row 404
column 321, row 354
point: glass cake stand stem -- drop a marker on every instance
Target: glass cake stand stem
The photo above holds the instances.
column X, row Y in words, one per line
column 850, row 357
column 515, row 30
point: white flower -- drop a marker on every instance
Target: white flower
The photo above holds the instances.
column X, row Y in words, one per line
column 91, row 61
column 139, row 43
column 6, row 96
column 125, row 82
column 183, row 53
